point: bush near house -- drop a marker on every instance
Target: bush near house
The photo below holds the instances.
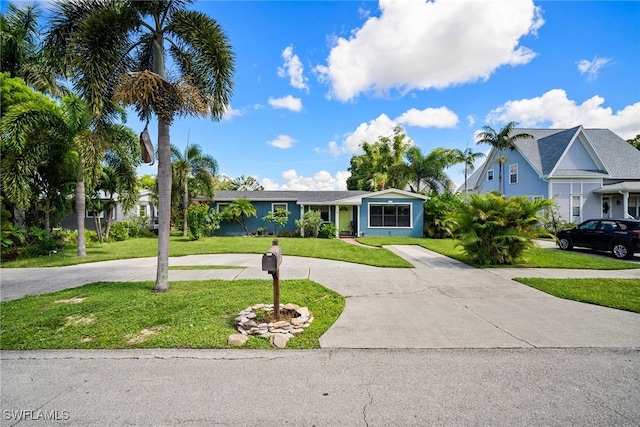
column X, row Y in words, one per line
column 496, row 230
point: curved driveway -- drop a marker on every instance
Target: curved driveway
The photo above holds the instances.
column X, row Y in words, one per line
column 439, row 304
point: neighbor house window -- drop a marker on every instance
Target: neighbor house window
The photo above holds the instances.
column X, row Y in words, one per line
column 276, row 206
column 575, row 205
column 513, row 173
column 142, row 210
column 490, row 175
column 390, row 215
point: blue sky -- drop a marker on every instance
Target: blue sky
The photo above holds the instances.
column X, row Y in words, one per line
column 315, row 78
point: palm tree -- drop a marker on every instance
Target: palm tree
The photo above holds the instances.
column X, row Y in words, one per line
column 245, row 183
column 196, row 165
column 97, row 40
column 239, row 210
column 426, row 169
column 71, row 122
column 20, row 55
column 468, row 158
column 501, row 141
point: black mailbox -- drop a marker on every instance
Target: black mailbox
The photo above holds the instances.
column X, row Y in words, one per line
column 272, row 259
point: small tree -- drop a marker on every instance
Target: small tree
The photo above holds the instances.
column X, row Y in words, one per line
column 310, row 223
column 238, row 211
column 497, row 230
column 278, row 218
column 201, row 220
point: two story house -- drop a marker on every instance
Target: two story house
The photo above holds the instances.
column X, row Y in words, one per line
column 590, row 173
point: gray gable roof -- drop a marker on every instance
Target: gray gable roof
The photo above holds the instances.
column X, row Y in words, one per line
column 620, row 159
column 302, row 197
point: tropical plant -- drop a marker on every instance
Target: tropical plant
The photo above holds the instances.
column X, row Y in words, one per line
column 468, row 159
column 245, row 183
column 194, row 168
column 97, row 39
column 278, row 218
column 202, row 220
column 239, row 210
column 376, row 169
column 427, row 170
column 494, row 229
column 327, row 230
column 20, row 54
column 69, row 124
column 437, row 209
column 309, row 224
column 500, row 141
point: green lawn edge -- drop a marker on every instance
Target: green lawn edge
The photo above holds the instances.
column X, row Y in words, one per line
column 622, row 294
column 194, row 314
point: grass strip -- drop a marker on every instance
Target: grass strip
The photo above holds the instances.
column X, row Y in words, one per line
column 195, row 314
column 623, row 294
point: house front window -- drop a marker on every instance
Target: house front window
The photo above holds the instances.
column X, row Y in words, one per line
column 513, row 173
column 324, row 212
column 390, row 215
column 490, row 175
column 575, row 205
column 276, row 206
column 221, row 206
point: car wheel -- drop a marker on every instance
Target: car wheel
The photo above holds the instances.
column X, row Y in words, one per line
column 621, row 250
column 565, row 244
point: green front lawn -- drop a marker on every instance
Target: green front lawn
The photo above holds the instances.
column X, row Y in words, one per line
column 623, row 294
column 533, row 258
column 180, row 246
column 128, row 315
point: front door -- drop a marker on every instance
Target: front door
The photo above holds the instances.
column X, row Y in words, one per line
column 345, row 220
column 606, row 207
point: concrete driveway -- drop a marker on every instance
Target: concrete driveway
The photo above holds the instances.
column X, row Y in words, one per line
column 439, row 304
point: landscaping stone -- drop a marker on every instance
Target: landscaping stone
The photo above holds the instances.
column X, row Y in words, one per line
column 278, row 332
column 237, row 340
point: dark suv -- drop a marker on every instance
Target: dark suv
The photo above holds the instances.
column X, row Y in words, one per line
column 620, row 236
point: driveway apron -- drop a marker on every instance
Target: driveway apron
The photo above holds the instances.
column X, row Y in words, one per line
column 439, row 304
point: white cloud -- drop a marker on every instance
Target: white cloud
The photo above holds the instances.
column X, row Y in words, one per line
column 369, row 132
column 558, row 111
column 293, row 69
column 230, row 113
column 288, row 102
column 418, row 44
column 320, row 181
column 429, row 117
column 592, row 68
column 282, row 141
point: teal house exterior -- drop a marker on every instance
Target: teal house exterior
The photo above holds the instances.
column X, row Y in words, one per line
column 389, row 212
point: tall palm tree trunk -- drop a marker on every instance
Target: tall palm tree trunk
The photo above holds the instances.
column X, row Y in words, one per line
column 80, row 209
column 185, row 206
column 164, row 206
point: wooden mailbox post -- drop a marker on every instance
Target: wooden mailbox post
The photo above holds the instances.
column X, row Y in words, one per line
column 271, row 261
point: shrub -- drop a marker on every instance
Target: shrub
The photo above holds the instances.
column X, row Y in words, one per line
column 309, row 224
column 119, row 231
column 328, row 230
column 201, row 220
column 437, row 225
column 497, row 230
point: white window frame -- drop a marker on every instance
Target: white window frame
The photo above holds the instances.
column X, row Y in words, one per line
column 575, row 206
column 410, row 226
column 143, row 210
column 276, row 206
column 511, row 174
column 491, row 175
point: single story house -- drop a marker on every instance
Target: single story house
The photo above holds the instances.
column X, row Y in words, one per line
column 355, row 213
column 590, row 173
column 145, row 207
